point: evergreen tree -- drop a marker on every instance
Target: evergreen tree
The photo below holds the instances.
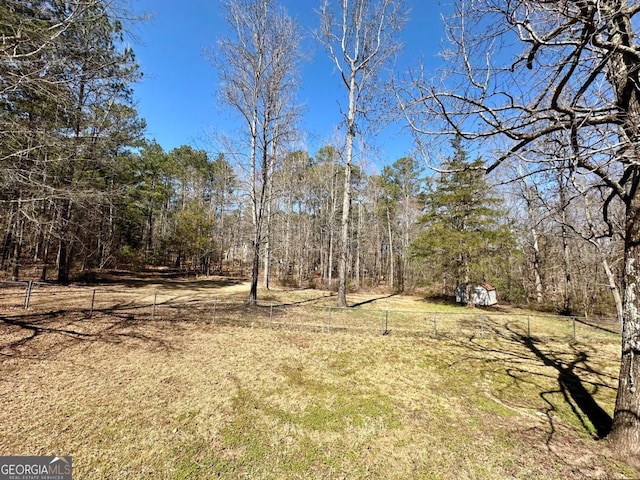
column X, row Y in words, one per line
column 66, row 122
column 463, row 237
column 148, row 183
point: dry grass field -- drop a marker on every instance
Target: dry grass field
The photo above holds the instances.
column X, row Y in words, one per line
column 160, row 381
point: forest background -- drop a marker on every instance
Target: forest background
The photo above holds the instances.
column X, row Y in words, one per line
column 84, row 188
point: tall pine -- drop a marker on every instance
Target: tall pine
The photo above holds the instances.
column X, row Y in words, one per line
column 463, row 237
column 67, row 121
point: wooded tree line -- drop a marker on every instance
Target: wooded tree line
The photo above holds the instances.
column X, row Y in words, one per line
column 67, row 125
column 83, row 189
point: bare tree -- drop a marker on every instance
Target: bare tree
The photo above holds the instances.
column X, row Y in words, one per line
column 360, row 37
column 526, row 71
column 257, row 69
column 534, row 217
column 326, row 193
column 606, row 246
column 560, row 216
column 400, row 184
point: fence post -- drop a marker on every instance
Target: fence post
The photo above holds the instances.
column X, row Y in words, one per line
column 93, row 301
column 271, row 316
column 153, row 307
column 27, row 294
column 528, row 326
column 435, row 325
column 574, row 328
column 215, row 304
column 385, row 323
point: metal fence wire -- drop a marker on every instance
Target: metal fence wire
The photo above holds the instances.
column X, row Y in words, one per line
column 25, row 298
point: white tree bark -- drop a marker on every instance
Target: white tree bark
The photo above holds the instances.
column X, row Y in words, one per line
column 360, row 37
column 257, row 70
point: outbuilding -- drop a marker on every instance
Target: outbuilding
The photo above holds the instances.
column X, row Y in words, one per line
column 481, row 294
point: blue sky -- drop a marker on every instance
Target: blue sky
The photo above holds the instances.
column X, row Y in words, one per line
column 177, row 93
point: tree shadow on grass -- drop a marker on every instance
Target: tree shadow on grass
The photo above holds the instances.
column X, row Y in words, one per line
column 573, row 388
column 572, row 370
column 142, row 324
column 265, row 303
column 169, row 280
column 46, row 334
column 371, row 300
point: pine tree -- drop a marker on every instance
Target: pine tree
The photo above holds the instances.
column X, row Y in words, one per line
column 66, row 123
column 463, row 235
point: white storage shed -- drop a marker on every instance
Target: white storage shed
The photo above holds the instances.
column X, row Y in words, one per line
column 482, row 294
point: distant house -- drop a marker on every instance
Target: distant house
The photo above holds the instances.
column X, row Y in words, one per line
column 482, row 294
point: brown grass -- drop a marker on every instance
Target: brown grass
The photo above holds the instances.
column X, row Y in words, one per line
column 191, row 394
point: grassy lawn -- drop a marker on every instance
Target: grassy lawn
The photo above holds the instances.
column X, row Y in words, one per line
column 188, row 397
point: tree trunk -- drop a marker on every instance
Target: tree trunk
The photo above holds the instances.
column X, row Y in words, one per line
column 613, row 286
column 258, row 209
column 566, row 253
column 266, row 273
column 625, row 433
column 346, row 199
column 467, row 282
column 149, row 235
column 567, row 283
column 64, row 260
column 255, row 265
column 8, row 237
column 392, row 265
column 17, row 246
column 256, row 213
column 623, row 75
column 284, row 270
column 357, row 266
column 331, row 223
column 266, row 203
column 45, row 253
column 596, row 240
column 537, row 268
column 344, row 233
column 330, row 259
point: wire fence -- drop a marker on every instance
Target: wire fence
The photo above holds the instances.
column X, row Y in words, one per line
column 32, row 298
